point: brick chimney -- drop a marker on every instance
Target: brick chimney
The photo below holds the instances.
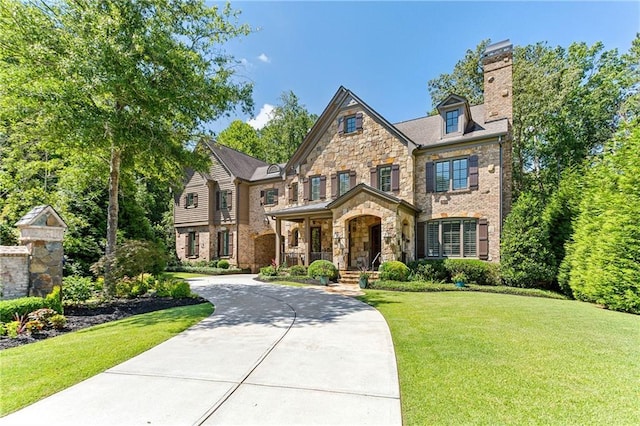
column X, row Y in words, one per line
column 497, row 60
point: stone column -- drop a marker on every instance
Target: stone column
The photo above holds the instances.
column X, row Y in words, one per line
column 307, row 241
column 278, row 241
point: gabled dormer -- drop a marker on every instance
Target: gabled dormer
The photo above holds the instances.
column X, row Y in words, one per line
column 455, row 116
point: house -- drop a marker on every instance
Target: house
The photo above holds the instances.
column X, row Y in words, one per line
column 361, row 190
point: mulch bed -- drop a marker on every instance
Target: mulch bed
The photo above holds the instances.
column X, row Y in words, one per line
column 79, row 317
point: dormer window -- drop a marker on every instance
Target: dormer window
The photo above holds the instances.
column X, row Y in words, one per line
column 452, row 120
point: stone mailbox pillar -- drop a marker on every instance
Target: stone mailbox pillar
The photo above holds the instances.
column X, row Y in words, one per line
column 42, row 231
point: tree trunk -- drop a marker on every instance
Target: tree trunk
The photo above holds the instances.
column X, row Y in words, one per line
column 112, row 217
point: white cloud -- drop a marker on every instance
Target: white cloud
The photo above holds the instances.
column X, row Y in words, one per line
column 265, row 114
column 264, row 58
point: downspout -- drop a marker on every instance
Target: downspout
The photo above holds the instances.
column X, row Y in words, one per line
column 236, row 245
column 501, row 177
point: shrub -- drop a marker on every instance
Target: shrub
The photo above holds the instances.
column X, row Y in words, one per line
column 268, row 271
column 41, row 314
column 58, row 321
column 14, row 328
column 3, row 329
column 526, row 257
column 323, row 268
column 21, row 306
column 298, row 271
column 477, row 271
column 53, row 300
column 77, row 288
column 213, row 264
column 394, row 270
column 179, row 289
column 223, row 264
column 428, row 270
column 130, row 288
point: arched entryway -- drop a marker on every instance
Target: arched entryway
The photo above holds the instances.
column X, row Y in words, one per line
column 364, row 236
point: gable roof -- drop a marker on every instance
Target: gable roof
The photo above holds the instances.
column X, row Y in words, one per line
column 44, row 215
column 343, row 97
column 363, row 187
column 427, row 131
column 239, row 164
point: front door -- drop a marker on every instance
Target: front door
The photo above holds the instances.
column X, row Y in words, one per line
column 376, row 245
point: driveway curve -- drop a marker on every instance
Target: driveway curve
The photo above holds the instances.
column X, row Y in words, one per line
column 269, row 355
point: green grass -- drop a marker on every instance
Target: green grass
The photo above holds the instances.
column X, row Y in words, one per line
column 184, row 275
column 478, row 358
column 31, row 372
column 440, row 286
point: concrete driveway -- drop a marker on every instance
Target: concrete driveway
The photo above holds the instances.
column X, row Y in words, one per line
column 269, row 355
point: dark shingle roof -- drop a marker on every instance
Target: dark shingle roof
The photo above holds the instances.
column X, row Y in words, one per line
column 427, row 131
column 239, row 164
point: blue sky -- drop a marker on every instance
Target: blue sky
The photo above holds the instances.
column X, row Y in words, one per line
column 386, row 52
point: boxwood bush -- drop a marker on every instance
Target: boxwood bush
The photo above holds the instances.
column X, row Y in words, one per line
column 394, row 270
column 477, row 271
column 323, row 267
column 298, row 271
column 21, row 306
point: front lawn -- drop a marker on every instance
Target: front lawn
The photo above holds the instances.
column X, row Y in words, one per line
column 31, row 372
column 477, row 358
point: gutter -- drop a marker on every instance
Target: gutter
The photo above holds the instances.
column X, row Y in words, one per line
column 499, row 135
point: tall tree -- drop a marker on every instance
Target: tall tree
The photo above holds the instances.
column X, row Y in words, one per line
column 130, row 82
column 284, row 133
column 242, row 137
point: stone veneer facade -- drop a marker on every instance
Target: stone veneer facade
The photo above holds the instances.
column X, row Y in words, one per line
column 355, row 226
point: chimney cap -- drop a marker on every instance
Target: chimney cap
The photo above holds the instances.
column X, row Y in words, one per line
column 497, row 48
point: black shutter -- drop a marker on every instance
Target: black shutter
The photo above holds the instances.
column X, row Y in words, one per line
column 275, row 195
column 340, row 125
column 305, row 189
column 217, row 200
column 334, row 185
column 483, row 239
column 186, row 201
column 352, row 179
column 431, row 177
column 197, row 245
column 229, row 198
column 473, row 172
column 230, row 245
column 420, row 241
column 395, row 177
column 290, row 193
column 374, row 176
column 187, row 251
column 359, row 121
column 323, row 187
column 262, row 198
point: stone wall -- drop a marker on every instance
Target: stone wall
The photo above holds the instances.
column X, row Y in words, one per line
column 14, row 272
column 45, row 268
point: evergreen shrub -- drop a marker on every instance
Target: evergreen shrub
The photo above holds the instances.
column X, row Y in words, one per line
column 323, row 268
column 394, row 270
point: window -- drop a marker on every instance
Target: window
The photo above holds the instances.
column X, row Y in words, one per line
column 344, row 183
column 315, row 188
column 452, row 175
column 223, row 200
column 452, row 238
column 350, row 124
column 191, row 200
column 451, row 118
column 293, row 196
column 223, row 243
column 192, row 244
column 271, row 196
column 384, row 178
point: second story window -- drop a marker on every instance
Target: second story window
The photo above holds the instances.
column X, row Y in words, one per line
column 350, row 124
column 344, row 183
column 452, row 175
column 384, row 178
column 315, row 187
column 223, row 200
column 191, row 200
column 271, row 196
column 451, row 118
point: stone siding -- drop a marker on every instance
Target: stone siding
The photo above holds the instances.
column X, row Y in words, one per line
column 481, row 203
column 45, row 267
column 204, row 243
column 14, row 272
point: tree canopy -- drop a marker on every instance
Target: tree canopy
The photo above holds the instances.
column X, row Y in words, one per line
column 129, row 83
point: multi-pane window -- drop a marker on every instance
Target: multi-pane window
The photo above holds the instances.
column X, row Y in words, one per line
column 452, row 238
column 442, row 176
column 223, row 243
column 271, row 196
column 451, row 118
column 350, row 124
column 384, row 178
column 460, row 173
column 191, row 200
column 452, row 175
column 344, row 183
column 315, row 187
column 191, row 245
column 223, row 200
